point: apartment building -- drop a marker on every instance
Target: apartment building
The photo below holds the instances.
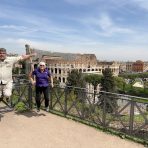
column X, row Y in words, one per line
column 138, row 66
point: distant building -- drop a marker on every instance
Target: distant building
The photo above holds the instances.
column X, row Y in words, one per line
column 145, row 69
column 129, row 66
column 60, row 64
column 12, row 54
column 138, row 66
column 133, row 67
column 122, row 67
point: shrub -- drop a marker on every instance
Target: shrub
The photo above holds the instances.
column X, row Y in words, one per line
column 20, row 107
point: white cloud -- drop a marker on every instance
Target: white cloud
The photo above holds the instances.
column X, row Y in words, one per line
column 104, row 25
column 109, row 27
column 16, row 28
column 81, row 2
column 140, row 3
column 12, row 27
column 122, row 52
column 84, row 32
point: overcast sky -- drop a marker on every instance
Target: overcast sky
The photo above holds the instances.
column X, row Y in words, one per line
column 111, row 29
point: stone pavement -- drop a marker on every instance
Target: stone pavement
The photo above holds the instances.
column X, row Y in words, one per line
column 45, row 130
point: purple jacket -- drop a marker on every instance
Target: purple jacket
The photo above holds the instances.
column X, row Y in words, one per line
column 41, row 77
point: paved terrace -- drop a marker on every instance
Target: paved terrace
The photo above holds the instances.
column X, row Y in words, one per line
column 45, row 130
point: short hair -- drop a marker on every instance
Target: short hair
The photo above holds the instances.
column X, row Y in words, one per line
column 2, row 50
column 42, row 63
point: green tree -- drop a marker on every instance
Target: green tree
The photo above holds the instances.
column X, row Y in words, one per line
column 120, row 84
column 107, row 81
column 135, row 75
column 94, row 80
column 15, row 70
column 55, row 81
column 108, row 85
column 76, row 79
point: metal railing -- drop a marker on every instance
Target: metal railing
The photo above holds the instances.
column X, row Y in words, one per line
column 123, row 113
column 22, row 93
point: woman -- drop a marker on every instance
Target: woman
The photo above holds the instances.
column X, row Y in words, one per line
column 41, row 82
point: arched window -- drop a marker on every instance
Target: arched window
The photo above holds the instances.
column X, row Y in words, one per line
column 80, row 70
column 63, row 80
column 55, row 70
column 59, row 71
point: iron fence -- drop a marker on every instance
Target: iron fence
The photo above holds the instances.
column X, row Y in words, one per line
column 21, row 92
column 123, row 113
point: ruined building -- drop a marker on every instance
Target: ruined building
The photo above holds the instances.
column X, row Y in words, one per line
column 61, row 63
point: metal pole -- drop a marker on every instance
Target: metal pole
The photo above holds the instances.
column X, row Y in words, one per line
column 30, row 96
column 131, row 121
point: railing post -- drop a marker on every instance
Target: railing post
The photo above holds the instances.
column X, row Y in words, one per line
column 50, row 97
column 19, row 91
column 131, row 121
column 30, row 95
column 104, row 111
column 65, row 101
column 83, row 103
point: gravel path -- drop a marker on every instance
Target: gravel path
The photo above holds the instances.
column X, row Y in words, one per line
column 45, row 130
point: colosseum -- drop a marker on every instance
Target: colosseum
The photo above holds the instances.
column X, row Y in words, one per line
column 60, row 64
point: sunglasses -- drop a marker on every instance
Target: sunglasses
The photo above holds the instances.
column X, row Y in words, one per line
column 2, row 52
column 42, row 65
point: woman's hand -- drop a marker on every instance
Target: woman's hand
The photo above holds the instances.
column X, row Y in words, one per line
column 52, row 85
column 33, row 82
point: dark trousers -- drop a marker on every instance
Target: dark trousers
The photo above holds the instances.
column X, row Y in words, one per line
column 39, row 91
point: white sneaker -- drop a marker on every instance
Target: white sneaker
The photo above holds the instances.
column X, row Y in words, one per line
column 47, row 109
column 38, row 110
